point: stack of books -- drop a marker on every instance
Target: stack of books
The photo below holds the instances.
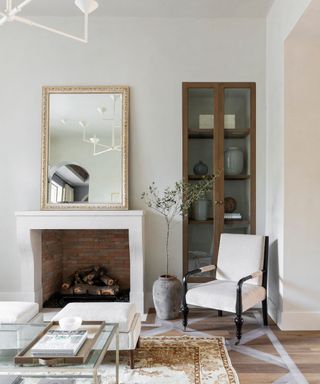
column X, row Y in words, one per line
column 206, row 121
column 60, row 343
column 229, row 121
column 233, row 216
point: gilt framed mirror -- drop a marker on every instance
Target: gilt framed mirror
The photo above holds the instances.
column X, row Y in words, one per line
column 85, row 148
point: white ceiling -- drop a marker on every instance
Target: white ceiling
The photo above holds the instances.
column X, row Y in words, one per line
column 152, row 8
column 67, row 110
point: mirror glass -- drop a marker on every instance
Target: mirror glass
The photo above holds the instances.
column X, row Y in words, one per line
column 85, row 148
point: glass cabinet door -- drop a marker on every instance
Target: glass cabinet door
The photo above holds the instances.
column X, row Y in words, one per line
column 200, row 123
column 239, row 112
column 218, row 139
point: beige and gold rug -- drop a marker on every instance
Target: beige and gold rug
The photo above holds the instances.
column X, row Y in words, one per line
column 178, row 360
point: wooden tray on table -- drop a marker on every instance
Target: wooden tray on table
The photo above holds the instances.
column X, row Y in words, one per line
column 94, row 329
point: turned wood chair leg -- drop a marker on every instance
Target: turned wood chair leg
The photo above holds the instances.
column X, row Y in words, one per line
column 185, row 312
column 220, row 313
column 265, row 312
column 131, row 358
column 239, row 321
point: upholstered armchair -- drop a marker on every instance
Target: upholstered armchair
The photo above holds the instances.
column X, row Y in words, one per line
column 241, row 279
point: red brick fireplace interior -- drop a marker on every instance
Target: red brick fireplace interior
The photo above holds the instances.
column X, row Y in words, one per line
column 65, row 252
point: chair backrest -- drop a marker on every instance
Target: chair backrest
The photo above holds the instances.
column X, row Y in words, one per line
column 239, row 256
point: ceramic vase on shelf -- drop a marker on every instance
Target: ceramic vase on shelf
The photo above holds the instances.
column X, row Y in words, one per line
column 233, row 161
column 200, row 209
column 200, row 168
column 167, row 293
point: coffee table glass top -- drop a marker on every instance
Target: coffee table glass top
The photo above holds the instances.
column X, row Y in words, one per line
column 15, row 337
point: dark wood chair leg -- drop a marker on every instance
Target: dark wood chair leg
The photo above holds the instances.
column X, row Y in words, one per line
column 131, row 358
column 239, row 321
column 265, row 312
column 220, row 313
column 185, row 312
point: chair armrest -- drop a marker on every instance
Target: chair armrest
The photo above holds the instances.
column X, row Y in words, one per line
column 207, row 268
column 239, row 290
column 249, row 277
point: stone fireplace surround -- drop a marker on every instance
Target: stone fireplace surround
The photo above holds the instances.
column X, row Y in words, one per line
column 31, row 223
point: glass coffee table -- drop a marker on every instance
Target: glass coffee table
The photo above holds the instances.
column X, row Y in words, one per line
column 15, row 337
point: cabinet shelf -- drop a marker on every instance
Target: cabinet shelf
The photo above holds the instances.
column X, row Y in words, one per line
column 199, row 177
column 226, row 177
column 192, row 221
column 201, row 134
column 236, row 177
column 236, row 133
column 209, row 133
column 236, row 223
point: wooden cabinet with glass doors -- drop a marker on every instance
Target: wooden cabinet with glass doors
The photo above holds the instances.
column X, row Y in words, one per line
column 219, row 138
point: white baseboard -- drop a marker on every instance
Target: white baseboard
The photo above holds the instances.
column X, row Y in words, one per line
column 273, row 311
column 300, row 321
column 148, row 301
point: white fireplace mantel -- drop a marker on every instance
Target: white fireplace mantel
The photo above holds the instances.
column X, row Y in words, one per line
column 31, row 223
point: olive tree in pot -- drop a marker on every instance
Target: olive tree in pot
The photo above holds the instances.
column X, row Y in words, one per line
column 170, row 203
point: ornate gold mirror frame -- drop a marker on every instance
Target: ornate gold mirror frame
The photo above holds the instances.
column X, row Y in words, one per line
column 85, row 148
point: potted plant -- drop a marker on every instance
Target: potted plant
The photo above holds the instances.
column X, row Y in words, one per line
column 171, row 203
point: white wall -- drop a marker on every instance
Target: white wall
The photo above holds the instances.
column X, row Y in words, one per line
column 281, row 19
column 152, row 56
column 302, row 182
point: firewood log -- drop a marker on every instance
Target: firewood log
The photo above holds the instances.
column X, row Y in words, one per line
column 110, row 290
column 80, row 289
column 107, row 280
column 94, row 290
column 83, row 273
column 69, row 281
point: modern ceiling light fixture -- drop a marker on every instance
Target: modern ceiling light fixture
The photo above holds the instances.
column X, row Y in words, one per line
column 85, row 6
column 99, row 148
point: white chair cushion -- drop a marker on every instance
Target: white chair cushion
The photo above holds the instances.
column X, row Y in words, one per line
column 239, row 256
column 17, row 311
column 121, row 313
column 221, row 295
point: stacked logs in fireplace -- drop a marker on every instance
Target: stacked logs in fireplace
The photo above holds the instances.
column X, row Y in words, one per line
column 90, row 281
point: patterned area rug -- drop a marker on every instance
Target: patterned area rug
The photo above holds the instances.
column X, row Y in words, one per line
column 178, row 360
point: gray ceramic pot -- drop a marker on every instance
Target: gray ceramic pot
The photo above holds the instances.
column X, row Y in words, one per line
column 167, row 294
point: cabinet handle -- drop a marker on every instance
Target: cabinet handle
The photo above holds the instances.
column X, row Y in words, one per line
column 220, row 202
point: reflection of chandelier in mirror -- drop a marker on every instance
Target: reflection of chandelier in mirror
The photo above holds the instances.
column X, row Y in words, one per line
column 99, row 148
column 11, row 14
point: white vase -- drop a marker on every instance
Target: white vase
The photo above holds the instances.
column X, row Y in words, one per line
column 200, row 209
column 233, row 161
